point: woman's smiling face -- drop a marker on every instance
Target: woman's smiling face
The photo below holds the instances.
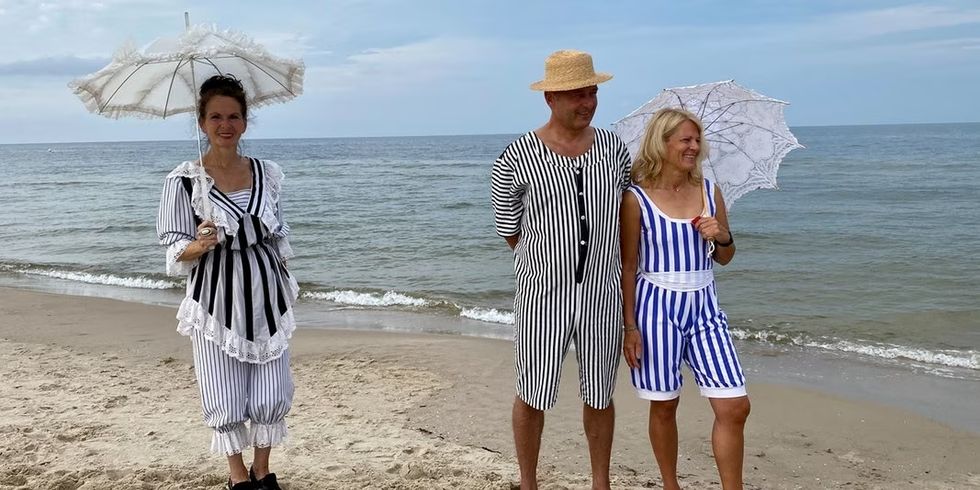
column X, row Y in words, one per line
column 683, row 146
column 223, row 122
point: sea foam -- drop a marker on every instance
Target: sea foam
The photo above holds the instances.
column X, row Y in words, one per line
column 141, row 282
column 347, row 297
column 489, row 315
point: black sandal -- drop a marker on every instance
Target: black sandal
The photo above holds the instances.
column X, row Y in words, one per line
column 243, row 485
column 268, row 482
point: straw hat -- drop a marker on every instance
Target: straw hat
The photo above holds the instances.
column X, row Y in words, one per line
column 568, row 70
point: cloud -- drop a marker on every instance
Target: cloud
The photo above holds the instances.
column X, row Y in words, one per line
column 57, row 6
column 53, row 66
column 843, row 29
column 908, row 34
column 907, row 18
column 286, row 44
column 917, row 33
column 400, row 67
column 949, row 46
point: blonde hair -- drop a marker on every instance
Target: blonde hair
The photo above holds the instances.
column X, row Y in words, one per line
column 653, row 150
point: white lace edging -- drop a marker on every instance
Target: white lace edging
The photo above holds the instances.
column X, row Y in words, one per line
column 200, row 197
column 193, row 316
column 232, row 442
column 179, row 267
column 267, row 435
column 273, row 187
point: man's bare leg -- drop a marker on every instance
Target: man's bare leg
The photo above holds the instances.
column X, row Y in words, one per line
column 599, row 427
column 528, row 424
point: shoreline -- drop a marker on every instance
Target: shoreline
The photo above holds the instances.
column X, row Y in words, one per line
column 947, row 395
column 400, row 410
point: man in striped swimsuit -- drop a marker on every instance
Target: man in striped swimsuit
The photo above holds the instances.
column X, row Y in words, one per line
column 556, row 193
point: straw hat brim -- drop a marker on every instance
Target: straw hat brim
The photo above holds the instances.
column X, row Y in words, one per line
column 559, row 86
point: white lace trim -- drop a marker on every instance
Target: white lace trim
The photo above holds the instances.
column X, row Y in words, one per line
column 273, row 187
column 232, row 442
column 267, row 435
column 179, row 267
column 201, row 202
column 238, row 439
column 193, row 316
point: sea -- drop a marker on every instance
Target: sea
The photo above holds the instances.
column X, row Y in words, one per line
column 868, row 253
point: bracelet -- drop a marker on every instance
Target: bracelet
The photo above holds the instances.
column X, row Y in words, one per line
column 731, row 240
column 630, row 328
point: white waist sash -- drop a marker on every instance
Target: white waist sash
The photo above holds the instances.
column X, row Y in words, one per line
column 680, row 281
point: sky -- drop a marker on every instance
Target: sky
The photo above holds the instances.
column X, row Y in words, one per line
column 427, row 67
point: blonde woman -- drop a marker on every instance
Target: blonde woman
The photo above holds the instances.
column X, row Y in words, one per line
column 674, row 227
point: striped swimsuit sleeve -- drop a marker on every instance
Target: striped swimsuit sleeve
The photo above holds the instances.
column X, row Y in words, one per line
column 506, row 196
column 625, row 164
column 176, row 225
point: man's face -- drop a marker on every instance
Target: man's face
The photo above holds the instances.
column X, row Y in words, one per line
column 573, row 109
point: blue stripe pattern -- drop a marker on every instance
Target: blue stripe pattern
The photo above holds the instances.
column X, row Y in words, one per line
column 675, row 325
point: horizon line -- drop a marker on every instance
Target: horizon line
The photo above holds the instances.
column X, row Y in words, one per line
column 446, row 135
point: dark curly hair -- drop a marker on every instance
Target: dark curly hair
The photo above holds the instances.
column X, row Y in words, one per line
column 226, row 85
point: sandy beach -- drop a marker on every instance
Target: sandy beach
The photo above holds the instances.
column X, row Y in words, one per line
column 100, row 394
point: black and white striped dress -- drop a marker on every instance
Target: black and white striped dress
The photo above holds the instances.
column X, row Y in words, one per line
column 239, row 295
column 566, row 263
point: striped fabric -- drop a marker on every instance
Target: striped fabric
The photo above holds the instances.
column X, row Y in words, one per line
column 239, row 294
column 235, row 392
column 566, row 263
column 678, row 325
column 241, row 197
column 669, row 244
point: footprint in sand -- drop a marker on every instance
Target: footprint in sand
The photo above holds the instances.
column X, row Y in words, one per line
column 413, row 472
column 116, row 401
column 851, row 457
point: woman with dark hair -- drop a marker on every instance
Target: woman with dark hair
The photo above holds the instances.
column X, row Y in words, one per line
column 238, row 305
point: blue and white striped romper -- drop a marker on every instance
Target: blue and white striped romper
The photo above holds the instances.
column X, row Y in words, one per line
column 680, row 325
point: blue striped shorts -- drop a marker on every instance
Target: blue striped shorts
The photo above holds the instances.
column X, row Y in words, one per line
column 684, row 326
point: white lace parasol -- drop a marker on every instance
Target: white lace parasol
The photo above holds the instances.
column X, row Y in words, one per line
column 746, row 132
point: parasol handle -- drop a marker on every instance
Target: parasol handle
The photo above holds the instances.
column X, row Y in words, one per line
column 705, row 213
column 202, row 177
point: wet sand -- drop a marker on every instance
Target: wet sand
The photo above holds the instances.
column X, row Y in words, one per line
column 100, row 394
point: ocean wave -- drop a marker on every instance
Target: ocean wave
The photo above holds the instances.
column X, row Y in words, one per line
column 767, row 336
column 390, row 298
column 488, row 315
column 968, row 359
column 140, row 282
column 948, row 358
column 396, row 299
